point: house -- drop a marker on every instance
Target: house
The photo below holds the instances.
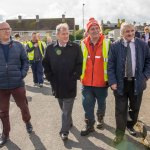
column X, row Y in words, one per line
column 25, row 27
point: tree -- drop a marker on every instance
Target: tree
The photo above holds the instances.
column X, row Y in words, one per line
column 76, row 35
column 106, row 31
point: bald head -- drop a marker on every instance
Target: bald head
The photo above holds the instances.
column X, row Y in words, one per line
column 4, row 25
column 5, row 32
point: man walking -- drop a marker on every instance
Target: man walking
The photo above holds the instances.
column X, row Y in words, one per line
column 94, row 75
column 128, row 71
column 35, row 50
column 62, row 67
column 13, row 68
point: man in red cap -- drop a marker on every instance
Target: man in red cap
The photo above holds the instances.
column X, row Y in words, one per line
column 94, row 75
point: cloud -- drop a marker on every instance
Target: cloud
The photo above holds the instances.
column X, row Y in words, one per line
column 135, row 10
column 106, row 10
column 2, row 16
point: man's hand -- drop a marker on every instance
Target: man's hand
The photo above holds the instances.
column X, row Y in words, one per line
column 114, row 87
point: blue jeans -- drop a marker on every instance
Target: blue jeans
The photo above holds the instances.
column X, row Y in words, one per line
column 89, row 96
column 37, row 70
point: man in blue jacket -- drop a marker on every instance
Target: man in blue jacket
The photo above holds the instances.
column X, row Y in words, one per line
column 13, row 68
column 128, row 71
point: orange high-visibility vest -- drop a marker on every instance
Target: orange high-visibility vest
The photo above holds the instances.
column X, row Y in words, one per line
column 95, row 74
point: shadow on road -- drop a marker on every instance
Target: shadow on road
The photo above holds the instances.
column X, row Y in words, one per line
column 109, row 128
column 37, row 142
column 43, row 90
column 130, row 144
column 11, row 146
column 83, row 142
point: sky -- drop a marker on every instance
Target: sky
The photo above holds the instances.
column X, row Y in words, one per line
column 106, row 10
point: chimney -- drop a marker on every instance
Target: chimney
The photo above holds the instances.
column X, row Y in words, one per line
column 63, row 17
column 37, row 18
column 19, row 18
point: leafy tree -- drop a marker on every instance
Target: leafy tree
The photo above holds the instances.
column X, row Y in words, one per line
column 106, row 31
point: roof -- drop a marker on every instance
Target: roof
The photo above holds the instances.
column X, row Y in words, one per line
column 43, row 24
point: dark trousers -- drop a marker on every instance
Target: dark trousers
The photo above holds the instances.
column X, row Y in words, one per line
column 37, row 70
column 66, row 106
column 122, row 103
column 19, row 95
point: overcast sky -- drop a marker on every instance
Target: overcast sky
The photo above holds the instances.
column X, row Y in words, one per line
column 108, row 10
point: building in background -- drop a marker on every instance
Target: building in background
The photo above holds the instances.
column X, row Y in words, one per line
column 25, row 27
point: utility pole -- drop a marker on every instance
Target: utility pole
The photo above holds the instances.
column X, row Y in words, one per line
column 83, row 14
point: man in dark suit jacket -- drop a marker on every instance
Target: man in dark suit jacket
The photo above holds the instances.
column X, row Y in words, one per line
column 128, row 80
column 62, row 67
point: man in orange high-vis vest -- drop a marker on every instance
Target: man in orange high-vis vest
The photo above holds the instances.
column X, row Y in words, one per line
column 94, row 75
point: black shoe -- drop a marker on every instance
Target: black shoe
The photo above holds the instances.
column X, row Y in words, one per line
column 64, row 136
column 131, row 131
column 29, row 127
column 86, row 130
column 3, row 140
column 100, row 121
column 71, row 125
column 41, row 85
column 117, row 140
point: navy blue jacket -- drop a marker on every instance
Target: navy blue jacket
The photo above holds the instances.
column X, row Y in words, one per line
column 13, row 70
column 116, row 65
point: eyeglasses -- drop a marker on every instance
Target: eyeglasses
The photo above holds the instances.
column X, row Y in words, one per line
column 5, row 29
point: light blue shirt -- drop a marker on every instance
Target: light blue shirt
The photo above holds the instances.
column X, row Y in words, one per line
column 133, row 54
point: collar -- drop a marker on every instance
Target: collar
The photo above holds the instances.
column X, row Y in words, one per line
column 125, row 41
column 56, row 44
column 6, row 43
column 62, row 45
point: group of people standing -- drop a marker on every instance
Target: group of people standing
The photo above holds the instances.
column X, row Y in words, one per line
column 123, row 65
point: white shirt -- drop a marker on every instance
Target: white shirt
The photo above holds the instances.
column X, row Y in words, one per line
column 146, row 37
column 62, row 45
column 133, row 54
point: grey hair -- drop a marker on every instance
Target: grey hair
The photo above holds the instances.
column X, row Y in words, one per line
column 61, row 26
column 125, row 25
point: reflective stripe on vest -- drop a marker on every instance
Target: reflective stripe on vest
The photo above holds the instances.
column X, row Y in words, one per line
column 85, row 56
column 105, row 49
column 31, row 54
column 106, row 44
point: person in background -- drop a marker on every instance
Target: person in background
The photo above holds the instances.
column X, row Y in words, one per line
column 62, row 67
column 39, row 39
column 146, row 35
column 35, row 50
column 48, row 40
column 128, row 72
column 137, row 33
column 17, row 37
column 13, row 69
